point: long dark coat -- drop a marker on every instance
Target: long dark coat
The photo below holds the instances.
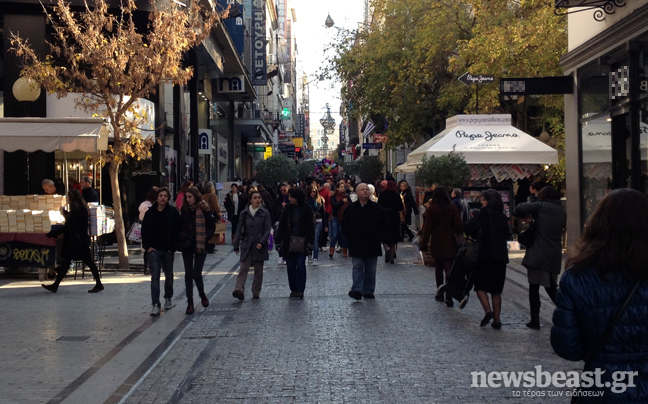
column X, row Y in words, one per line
column 253, row 230
column 76, row 240
column 393, row 205
column 364, row 229
column 305, row 227
column 441, row 223
column 188, row 225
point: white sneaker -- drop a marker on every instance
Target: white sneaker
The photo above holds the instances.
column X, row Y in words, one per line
column 168, row 305
column 156, row 310
column 315, row 262
column 310, row 260
column 280, row 261
column 283, row 262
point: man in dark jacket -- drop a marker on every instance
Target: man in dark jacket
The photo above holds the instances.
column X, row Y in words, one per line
column 363, row 226
column 234, row 204
column 160, row 231
column 89, row 194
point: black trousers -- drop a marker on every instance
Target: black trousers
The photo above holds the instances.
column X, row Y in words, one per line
column 86, row 257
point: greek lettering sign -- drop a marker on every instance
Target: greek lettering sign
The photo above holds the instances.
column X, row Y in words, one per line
column 469, row 79
column 260, row 69
column 204, row 141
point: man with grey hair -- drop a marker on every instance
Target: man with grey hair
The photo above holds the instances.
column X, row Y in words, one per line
column 363, row 225
column 89, row 194
column 48, row 187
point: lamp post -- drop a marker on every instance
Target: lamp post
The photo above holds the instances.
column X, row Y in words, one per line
column 25, row 91
column 328, row 123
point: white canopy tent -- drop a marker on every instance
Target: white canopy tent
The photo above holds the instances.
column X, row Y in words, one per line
column 67, row 135
column 483, row 139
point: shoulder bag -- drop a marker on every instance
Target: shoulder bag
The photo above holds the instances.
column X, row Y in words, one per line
column 591, row 355
column 527, row 236
column 297, row 245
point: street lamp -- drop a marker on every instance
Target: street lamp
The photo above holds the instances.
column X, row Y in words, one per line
column 328, row 123
column 26, row 91
column 329, row 21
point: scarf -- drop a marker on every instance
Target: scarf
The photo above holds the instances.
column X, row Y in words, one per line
column 200, row 231
column 253, row 211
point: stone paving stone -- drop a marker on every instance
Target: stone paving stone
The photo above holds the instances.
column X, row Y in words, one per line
column 401, row 347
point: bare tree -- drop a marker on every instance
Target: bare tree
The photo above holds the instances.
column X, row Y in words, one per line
column 102, row 55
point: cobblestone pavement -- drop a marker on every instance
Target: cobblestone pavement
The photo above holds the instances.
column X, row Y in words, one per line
column 402, row 347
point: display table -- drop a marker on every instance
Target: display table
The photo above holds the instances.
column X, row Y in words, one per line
column 28, row 250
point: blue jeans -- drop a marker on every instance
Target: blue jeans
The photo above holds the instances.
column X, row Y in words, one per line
column 161, row 260
column 336, row 233
column 364, row 274
column 318, row 230
column 296, row 266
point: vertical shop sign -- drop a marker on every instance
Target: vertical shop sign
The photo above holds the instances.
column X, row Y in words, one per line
column 260, row 76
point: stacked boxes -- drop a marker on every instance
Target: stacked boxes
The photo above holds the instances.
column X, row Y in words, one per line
column 30, row 213
column 101, row 220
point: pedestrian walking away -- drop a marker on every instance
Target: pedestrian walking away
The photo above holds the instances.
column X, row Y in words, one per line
column 441, row 225
column 543, row 259
column 251, row 244
column 601, row 313
column 76, row 242
column 363, row 224
column 160, row 232
column 410, row 208
column 295, row 237
column 197, row 228
column 392, row 203
column 211, row 199
column 490, row 229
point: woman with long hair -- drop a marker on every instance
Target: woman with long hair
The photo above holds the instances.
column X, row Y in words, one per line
column 410, row 207
column 543, row 259
column 180, row 198
column 76, row 242
column 316, row 202
column 442, row 222
column 392, row 203
column 251, row 242
column 339, row 202
column 197, row 227
column 490, row 228
column 297, row 220
column 606, row 265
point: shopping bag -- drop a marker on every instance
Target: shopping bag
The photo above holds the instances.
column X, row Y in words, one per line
column 135, row 233
column 271, row 241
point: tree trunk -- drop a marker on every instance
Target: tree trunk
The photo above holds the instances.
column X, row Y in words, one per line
column 119, row 219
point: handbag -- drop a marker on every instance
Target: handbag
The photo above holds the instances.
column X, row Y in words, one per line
column 297, row 245
column 271, row 241
column 591, row 355
column 135, row 233
column 527, row 236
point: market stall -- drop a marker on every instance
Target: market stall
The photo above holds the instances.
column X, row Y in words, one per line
column 25, row 219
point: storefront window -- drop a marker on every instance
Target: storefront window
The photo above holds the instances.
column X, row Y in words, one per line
column 596, row 136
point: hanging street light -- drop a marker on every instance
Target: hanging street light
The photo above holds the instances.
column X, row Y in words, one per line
column 329, row 21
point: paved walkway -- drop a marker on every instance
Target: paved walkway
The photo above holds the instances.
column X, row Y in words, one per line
column 75, row 347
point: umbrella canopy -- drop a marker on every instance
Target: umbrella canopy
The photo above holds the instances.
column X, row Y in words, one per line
column 483, row 139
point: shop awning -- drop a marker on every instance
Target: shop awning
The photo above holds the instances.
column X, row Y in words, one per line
column 483, row 139
column 50, row 134
column 254, row 130
column 597, row 141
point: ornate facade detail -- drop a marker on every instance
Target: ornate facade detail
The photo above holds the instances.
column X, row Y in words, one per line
column 601, row 7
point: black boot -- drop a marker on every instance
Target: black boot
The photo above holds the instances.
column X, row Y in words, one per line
column 534, row 306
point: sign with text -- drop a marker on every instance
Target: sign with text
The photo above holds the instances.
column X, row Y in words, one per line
column 260, row 69
column 469, row 79
column 372, row 145
column 380, row 138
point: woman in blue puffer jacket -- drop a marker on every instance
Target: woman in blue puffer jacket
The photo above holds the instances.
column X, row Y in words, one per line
column 609, row 260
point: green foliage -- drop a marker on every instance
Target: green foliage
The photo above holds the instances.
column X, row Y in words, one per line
column 351, row 167
column 275, row 170
column 370, row 169
column 306, row 168
column 449, row 171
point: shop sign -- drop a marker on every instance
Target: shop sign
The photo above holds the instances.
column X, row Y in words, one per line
column 260, row 76
column 381, row 138
column 372, row 145
column 204, row 141
column 233, row 84
column 469, row 79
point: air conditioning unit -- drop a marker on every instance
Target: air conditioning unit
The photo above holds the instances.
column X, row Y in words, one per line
column 272, row 59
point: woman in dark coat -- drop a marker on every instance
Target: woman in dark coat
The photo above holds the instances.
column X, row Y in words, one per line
column 252, row 242
column 606, row 264
column 543, row 259
column 198, row 225
column 442, row 222
column 491, row 229
column 76, row 242
column 298, row 220
column 392, row 204
column 410, row 207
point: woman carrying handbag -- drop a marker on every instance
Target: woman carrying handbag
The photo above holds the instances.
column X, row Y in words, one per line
column 602, row 304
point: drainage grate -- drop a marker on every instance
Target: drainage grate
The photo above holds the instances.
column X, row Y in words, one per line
column 72, row 338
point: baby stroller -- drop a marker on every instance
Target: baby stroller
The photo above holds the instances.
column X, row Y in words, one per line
column 459, row 282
